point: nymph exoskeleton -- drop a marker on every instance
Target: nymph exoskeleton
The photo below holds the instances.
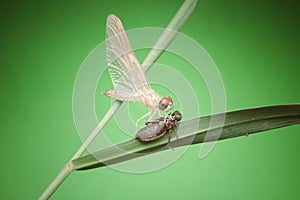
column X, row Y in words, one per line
column 159, row 127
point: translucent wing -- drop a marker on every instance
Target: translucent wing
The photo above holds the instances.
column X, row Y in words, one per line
column 125, row 71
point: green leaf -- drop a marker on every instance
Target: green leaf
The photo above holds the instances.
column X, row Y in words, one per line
column 237, row 123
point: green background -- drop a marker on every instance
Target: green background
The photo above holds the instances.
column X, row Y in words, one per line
column 255, row 45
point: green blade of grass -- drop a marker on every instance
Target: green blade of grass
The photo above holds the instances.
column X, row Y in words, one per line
column 237, row 123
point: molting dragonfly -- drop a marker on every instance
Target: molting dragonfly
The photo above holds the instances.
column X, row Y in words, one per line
column 128, row 78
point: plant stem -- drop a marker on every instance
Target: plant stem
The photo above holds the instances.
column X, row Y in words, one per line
column 165, row 39
column 170, row 32
column 59, row 179
column 98, row 128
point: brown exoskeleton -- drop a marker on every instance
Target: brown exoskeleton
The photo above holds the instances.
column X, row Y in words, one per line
column 159, row 127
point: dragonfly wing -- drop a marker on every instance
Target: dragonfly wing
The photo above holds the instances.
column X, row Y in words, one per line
column 125, row 70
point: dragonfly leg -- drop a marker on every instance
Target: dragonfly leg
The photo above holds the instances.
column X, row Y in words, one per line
column 159, row 113
column 141, row 118
column 152, row 114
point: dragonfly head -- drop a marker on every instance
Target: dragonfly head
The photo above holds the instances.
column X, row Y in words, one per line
column 165, row 104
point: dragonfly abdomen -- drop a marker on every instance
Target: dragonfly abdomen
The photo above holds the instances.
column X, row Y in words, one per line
column 118, row 96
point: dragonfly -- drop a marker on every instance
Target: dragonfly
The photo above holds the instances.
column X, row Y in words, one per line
column 128, row 78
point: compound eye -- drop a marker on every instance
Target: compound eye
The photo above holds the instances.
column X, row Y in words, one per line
column 162, row 105
column 178, row 115
column 165, row 103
